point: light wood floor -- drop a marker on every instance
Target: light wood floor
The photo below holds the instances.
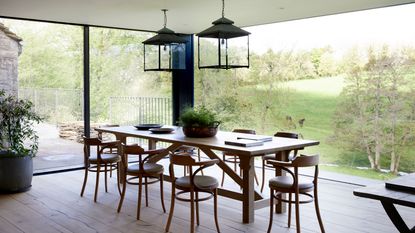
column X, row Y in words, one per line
column 54, row 205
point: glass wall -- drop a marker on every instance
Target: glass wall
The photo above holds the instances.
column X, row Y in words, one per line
column 50, row 75
column 121, row 92
column 345, row 80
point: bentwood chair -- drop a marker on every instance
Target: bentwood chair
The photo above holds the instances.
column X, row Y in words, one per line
column 190, row 150
column 293, row 185
column 102, row 159
column 151, row 172
column 265, row 158
column 192, row 185
column 103, row 136
column 234, row 159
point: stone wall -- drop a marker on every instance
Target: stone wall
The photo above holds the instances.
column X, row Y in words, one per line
column 10, row 49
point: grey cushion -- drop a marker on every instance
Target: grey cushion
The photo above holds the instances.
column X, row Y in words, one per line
column 286, row 182
column 149, row 168
column 105, row 158
column 202, row 182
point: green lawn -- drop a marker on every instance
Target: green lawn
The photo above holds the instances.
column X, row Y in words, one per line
column 316, row 101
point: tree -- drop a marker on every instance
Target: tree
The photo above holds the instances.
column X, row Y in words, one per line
column 371, row 116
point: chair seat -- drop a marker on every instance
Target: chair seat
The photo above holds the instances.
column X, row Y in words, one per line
column 105, row 158
column 201, row 182
column 149, row 168
column 286, row 182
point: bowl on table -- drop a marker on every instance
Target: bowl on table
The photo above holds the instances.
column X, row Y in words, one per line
column 147, row 126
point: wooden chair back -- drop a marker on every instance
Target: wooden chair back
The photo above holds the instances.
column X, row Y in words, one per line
column 286, row 135
column 185, row 159
column 247, row 131
column 91, row 141
column 88, row 142
column 306, row 161
column 181, row 159
column 131, row 150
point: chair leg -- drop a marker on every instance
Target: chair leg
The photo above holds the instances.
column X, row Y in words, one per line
column 124, row 187
column 197, row 208
column 215, row 206
column 223, row 173
column 146, row 190
column 118, row 177
column 263, row 176
column 199, row 159
column 192, row 211
column 162, row 193
column 106, row 179
column 271, row 210
column 256, row 177
column 111, row 167
column 289, row 209
column 85, row 180
column 140, row 190
column 97, row 183
column 172, row 200
column 297, row 211
column 320, row 221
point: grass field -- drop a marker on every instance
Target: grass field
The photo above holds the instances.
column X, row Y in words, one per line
column 316, row 101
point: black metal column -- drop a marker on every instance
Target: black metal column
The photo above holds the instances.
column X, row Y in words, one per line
column 86, row 82
column 183, row 82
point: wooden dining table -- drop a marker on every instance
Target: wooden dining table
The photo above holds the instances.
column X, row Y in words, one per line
column 399, row 191
column 251, row 198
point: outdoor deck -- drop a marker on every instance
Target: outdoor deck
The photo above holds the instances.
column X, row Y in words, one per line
column 54, row 205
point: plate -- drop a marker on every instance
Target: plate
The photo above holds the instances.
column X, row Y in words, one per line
column 147, row 126
column 161, row 130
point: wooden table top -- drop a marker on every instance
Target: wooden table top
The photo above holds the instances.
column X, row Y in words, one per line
column 381, row 193
column 216, row 143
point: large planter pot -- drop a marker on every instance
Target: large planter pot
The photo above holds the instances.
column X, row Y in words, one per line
column 15, row 174
column 200, row 132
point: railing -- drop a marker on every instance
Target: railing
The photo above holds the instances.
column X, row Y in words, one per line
column 129, row 110
column 56, row 104
column 66, row 105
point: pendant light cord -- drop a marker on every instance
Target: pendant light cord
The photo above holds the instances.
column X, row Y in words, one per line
column 223, row 8
column 165, row 17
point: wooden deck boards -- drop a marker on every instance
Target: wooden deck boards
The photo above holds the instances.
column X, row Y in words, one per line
column 54, row 205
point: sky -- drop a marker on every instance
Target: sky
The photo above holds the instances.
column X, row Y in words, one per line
column 391, row 25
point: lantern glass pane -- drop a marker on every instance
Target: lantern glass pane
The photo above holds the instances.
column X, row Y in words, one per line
column 238, row 51
column 223, row 52
column 165, row 57
column 178, row 56
column 151, row 57
column 208, row 49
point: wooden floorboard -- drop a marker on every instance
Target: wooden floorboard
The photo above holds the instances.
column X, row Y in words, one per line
column 54, row 205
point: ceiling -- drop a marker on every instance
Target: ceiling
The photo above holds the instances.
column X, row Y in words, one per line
column 184, row 16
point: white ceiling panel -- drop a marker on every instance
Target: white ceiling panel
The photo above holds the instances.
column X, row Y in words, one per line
column 184, row 16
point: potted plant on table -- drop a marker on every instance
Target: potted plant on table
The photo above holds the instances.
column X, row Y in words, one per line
column 18, row 143
column 199, row 122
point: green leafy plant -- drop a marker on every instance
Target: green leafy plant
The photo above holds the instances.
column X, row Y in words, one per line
column 17, row 136
column 198, row 117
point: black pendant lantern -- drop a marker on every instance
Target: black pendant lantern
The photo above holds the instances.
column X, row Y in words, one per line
column 164, row 51
column 223, row 45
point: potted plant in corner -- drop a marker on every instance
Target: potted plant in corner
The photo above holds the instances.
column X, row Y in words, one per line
column 18, row 143
column 199, row 122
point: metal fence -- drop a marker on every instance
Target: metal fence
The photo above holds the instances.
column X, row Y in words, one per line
column 55, row 104
column 127, row 110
